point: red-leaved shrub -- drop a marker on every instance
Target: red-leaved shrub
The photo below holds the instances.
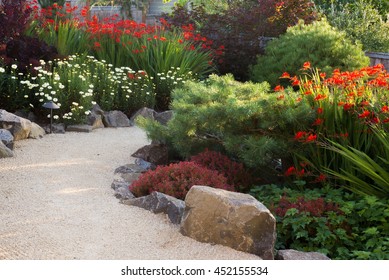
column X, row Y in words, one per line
column 235, row 172
column 316, row 207
column 177, row 178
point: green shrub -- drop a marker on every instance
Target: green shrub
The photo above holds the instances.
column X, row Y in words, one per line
column 243, row 120
column 176, row 179
column 340, row 225
column 362, row 22
column 325, row 47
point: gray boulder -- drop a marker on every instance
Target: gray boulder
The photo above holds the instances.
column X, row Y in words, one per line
column 56, row 128
column 7, row 138
column 144, row 112
column 160, row 203
column 164, row 117
column 19, row 127
column 95, row 118
column 4, row 151
column 297, row 255
column 36, row 131
column 231, row 219
column 154, row 153
column 79, row 128
column 115, row 119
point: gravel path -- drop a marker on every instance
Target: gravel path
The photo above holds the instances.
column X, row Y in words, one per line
column 56, row 203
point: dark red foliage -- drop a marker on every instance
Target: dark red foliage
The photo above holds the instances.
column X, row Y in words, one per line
column 26, row 51
column 15, row 16
column 176, row 180
column 235, row 172
column 242, row 30
column 315, row 207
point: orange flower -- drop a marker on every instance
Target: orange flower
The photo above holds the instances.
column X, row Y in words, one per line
column 280, row 97
column 318, row 122
column 279, row 88
column 385, row 109
column 311, row 138
column 320, row 97
column 285, row 75
column 365, row 114
column 322, row 75
column 306, row 65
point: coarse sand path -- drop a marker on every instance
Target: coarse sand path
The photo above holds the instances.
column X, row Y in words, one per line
column 56, row 203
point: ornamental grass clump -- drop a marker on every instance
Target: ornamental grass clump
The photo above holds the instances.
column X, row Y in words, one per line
column 352, row 118
column 176, row 179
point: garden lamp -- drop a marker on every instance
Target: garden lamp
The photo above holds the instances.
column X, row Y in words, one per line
column 51, row 105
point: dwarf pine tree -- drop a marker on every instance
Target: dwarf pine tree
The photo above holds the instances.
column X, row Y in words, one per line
column 244, row 120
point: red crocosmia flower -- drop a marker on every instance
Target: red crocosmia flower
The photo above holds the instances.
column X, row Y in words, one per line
column 365, row 114
column 280, row 97
column 180, row 41
column 300, row 173
column 131, row 75
column 386, row 120
column 278, row 88
column 299, row 135
column 295, row 81
column 320, row 178
column 97, row 45
column 311, row 138
column 365, row 103
column 322, row 75
column 290, row 171
column 318, row 122
column 162, row 39
column 298, row 99
column 285, row 75
column 385, row 109
column 347, row 106
column 320, row 97
column 306, row 65
column 308, row 92
column 375, row 120
column 320, row 110
column 344, row 135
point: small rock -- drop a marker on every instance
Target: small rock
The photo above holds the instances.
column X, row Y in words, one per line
column 36, row 131
column 94, row 120
column 297, row 255
column 116, row 184
column 144, row 112
column 115, row 119
column 130, row 168
column 79, row 128
column 160, row 203
column 157, row 154
column 56, row 128
column 123, row 193
column 7, row 138
column 144, row 164
column 130, row 177
column 164, row 117
column 4, row 151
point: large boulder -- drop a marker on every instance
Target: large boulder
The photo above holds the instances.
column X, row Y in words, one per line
column 115, row 119
column 19, row 127
column 160, row 203
column 7, row 138
column 297, row 255
column 4, row 151
column 231, row 219
column 154, row 153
